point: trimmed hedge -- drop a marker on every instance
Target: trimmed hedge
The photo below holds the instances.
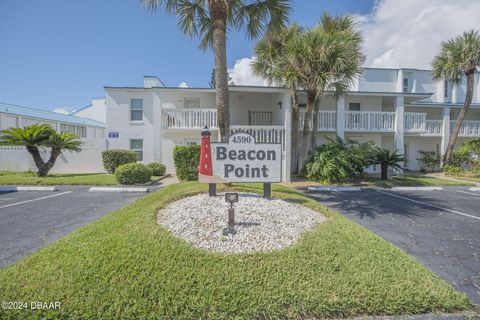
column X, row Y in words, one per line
column 186, row 159
column 157, row 168
column 112, row 159
column 133, row 173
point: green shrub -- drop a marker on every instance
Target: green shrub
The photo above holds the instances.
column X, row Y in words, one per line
column 186, row 160
column 452, row 170
column 112, row 159
column 428, row 160
column 133, row 173
column 158, row 169
column 338, row 161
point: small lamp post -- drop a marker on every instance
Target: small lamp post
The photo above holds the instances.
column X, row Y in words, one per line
column 231, row 197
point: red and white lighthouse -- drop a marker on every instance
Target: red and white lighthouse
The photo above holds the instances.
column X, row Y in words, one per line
column 205, row 166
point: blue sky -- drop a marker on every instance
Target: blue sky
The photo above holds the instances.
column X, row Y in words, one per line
column 58, row 53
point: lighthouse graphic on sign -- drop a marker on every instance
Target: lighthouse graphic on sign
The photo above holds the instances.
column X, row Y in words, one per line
column 205, row 168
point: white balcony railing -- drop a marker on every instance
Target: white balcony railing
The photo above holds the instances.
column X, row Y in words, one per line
column 189, row 118
column 469, row 128
column 433, row 128
column 369, row 121
column 415, row 122
column 263, row 134
column 326, row 121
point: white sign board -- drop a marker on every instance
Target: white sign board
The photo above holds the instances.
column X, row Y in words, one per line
column 243, row 160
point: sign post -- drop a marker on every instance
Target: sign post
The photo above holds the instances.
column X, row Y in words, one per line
column 239, row 160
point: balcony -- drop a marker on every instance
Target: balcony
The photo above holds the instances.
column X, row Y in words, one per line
column 189, row 118
column 469, row 128
column 368, row 121
column 263, row 134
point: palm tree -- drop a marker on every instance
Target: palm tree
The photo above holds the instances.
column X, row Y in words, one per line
column 278, row 68
column 330, row 59
column 386, row 158
column 41, row 135
column 210, row 20
column 458, row 57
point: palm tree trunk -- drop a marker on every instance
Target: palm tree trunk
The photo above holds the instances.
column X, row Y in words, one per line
column 307, row 130
column 295, row 123
column 384, row 169
column 315, row 121
column 218, row 14
column 39, row 163
column 461, row 117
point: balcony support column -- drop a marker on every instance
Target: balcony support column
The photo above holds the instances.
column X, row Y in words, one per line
column 287, row 170
column 399, row 126
column 341, row 117
column 445, row 130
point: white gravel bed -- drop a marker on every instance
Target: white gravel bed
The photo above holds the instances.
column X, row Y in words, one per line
column 261, row 225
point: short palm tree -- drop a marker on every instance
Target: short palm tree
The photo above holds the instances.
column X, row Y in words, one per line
column 386, row 158
column 459, row 57
column 211, row 20
column 41, row 135
column 278, row 68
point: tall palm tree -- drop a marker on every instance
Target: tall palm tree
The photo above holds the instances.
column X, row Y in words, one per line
column 41, row 135
column 330, row 59
column 278, row 68
column 458, row 57
column 210, row 20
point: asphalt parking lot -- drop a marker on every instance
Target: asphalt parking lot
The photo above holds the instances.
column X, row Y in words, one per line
column 440, row 228
column 32, row 219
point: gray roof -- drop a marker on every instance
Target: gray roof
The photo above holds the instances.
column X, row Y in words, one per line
column 47, row 115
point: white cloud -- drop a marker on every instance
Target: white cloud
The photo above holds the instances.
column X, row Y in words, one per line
column 183, row 85
column 242, row 74
column 63, row 110
column 408, row 33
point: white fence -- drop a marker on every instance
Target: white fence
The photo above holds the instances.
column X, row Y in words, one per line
column 468, row 129
column 369, row 121
column 263, row 134
column 189, row 118
column 415, row 122
column 89, row 160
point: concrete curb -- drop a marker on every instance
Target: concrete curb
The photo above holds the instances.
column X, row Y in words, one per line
column 416, row 189
column 334, row 189
column 26, row 188
column 117, row 189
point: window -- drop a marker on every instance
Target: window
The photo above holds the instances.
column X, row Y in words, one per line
column 192, row 103
column 354, row 106
column 81, row 131
column 260, row 118
column 136, row 109
column 63, row 127
column 70, row 128
column 136, row 145
column 445, row 89
column 452, row 114
column 405, row 85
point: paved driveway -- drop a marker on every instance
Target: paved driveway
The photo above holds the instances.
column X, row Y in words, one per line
column 30, row 220
column 440, row 228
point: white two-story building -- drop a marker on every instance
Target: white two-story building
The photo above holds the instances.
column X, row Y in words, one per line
column 401, row 109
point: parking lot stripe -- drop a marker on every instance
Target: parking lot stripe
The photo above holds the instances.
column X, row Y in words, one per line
column 430, row 205
column 475, row 194
column 36, row 199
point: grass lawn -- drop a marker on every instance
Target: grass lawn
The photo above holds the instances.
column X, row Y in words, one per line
column 414, row 181
column 30, row 178
column 126, row 266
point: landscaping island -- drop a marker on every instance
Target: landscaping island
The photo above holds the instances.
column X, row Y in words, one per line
column 127, row 266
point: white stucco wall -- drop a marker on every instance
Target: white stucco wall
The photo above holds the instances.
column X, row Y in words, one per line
column 96, row 111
